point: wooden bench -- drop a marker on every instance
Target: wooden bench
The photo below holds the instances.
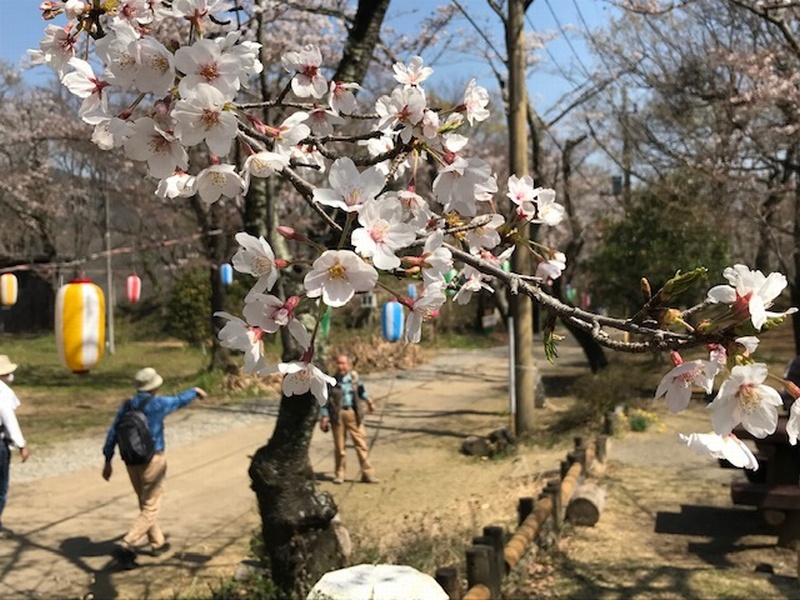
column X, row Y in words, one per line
column 779, row 505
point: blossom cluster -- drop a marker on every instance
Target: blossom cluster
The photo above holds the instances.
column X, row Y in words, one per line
column 743, row 399
column 179, row 96
column 185, row 99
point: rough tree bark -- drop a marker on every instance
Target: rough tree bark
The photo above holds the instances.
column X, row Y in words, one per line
column 299, row 543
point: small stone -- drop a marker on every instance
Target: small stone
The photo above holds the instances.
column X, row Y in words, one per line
column 764, row 568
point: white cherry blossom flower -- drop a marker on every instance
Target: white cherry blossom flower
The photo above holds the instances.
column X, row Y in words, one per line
column 413, row 74
column 455, row 185
column 522, row 192
column 403, row 109
column 728, row 447
column 291, row 132
column 138, row 11
column 308, row 80
column 238, row 335
column 83, row 83
column 482, row 232
column 337, row 275
column 194, row 10
column 177, row 185
column 118, row 51
column 263, row 164
column 341, row 97
column 743, row 398
column 218, row 180
column 322, row 120
column 55, row 49
column 349, row 189
column 749, row 293
column 256, row 257
column 552, row 267
column 155, row 71
column 204, row 63
column 676, row 386
column 202, row 117
column 473, row 284
column 245, row 51
column 415, row 209
column 475, row 100
column 270, row 313
column 382, row 233
column 436, row 259
column 793, row 424
column 303, row 377
column 548, row 211
column 162, row 151
column 110, row 133
column 423, row 308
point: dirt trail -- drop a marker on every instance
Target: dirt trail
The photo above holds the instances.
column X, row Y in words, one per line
column 66, row 526
column 655, row 539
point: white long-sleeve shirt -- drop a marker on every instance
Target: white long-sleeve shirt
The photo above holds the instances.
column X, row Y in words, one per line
column 8, row 419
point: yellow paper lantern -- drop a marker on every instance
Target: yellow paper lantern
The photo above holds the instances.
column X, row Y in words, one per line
column 80, row 324
column 9, row 288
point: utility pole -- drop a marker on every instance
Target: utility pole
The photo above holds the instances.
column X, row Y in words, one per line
column 524, row 368
column 109, row 279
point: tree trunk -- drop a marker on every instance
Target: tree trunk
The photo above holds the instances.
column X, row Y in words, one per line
column 300, row 543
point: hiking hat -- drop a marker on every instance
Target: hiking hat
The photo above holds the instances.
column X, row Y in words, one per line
column 6, row 366
column 147, row 380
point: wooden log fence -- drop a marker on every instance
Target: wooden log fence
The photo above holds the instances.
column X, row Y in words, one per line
column 489, row 559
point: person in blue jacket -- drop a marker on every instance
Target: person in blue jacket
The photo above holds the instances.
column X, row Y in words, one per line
column 148, row 479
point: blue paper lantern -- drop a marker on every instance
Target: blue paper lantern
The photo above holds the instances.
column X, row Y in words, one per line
column 392, row 320
column 226, row 274
column 412, row 290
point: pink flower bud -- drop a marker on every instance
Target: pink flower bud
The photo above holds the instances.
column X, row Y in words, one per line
column 676, row 358
column 288, row 232
column 792, row 389
column 292, row 302
column 280, row 263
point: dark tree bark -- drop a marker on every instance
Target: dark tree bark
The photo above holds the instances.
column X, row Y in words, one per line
column 299, row 542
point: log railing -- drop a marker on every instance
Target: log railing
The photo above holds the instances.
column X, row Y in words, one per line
column 490, row 559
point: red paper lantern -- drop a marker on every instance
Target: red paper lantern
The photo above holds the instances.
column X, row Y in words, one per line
column 133, row 287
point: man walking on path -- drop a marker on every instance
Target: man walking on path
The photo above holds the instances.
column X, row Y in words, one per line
column 343, row 413
column 10, row 433
column 147, row 479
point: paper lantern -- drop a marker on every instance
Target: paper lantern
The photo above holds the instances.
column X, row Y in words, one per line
column 133, row 287
column 226, row 274
column 80, row 324
column 9, row 289
column 392, row 318
column 412, row 290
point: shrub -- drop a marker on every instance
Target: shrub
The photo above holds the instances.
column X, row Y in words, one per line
column 188, row 308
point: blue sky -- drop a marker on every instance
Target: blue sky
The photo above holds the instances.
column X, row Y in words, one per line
column 21, row 28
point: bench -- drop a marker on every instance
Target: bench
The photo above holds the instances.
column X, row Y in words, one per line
column 779, row 505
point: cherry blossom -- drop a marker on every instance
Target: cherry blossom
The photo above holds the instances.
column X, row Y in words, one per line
column 270, row 313
column 177, row 185
column 341, row 97
column 201, row 117
column 83, row 83
column 156, row 70
column 290, row 133
column 435, row 260
column 382, row 233
column 161, row 150
column 238, row 335
column 195, row 10
column 119, row 53
column 349, row 189
column 424, row 307
column 482, row 232
column 322, row 120
column 676, row 386
column 218, row 180
column 749, row 293
column 255, row 257
column 337, row 275
column 413, row 74
column 476, row 98
column 474, row 283
column 548, row 211
column 204, row 63
column 263, row 164
column 743, row 398
column 728, row 447
column 404, row 109
column 303, row 377
column 552, row 267
column 55, row 49
column 308, row 81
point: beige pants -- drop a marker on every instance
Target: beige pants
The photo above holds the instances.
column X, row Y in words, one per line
column 148, row 482
column 347, row 422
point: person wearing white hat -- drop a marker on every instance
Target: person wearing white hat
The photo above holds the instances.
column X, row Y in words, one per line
column 10, row 433
column 147, row 479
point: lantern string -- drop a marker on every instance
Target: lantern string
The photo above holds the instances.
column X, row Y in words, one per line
column 112, row 252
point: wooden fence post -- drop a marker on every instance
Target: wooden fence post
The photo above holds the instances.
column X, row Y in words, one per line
column 497, row 535
column 481, row 567
column 553, row 490
column 496, row 572
column 447, row 577
column 524, row 508
column 601, row 448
